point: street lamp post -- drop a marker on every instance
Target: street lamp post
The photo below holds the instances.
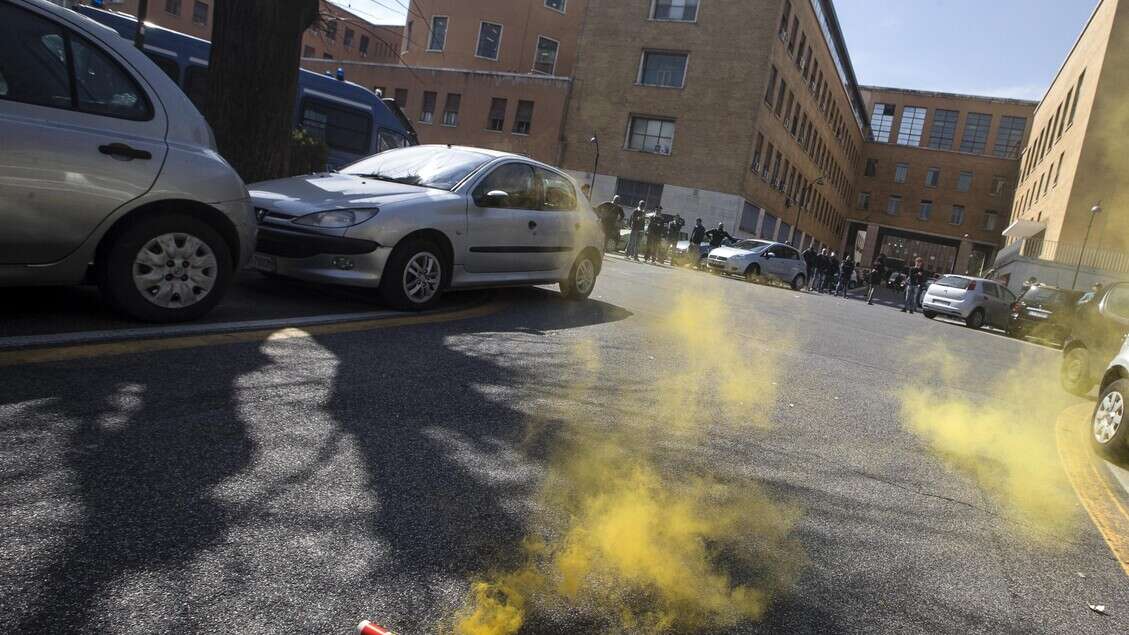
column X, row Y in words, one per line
column 595, row 163
column 1094, row 211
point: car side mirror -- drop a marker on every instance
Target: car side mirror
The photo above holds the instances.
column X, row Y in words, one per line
column 493, row 198
column 770, row 256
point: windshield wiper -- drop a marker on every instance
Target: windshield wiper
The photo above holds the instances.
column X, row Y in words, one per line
column 406, row 180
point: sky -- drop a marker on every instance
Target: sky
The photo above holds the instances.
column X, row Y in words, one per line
column 1000, row 48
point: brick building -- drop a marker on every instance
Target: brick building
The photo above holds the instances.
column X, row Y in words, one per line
column 937, row 177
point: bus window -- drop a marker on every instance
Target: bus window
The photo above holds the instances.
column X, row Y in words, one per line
column 166, row 64
column 196, row 84
column 388, row 140
column 341, row 128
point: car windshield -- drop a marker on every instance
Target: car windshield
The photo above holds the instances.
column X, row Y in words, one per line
column 1043, row 295
column 955, row 282
column 439, row 167
column 751, row 245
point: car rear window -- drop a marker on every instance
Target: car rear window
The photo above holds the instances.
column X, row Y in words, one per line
column 955, row 282
column 1043, row 295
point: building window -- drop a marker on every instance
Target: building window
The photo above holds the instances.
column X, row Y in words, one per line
column 407, row 37
column 871, row 167
column 558, row 5
column 1058, row 169
column 545, row 59
column 523, row 119
column 347, row 41
column 401, row 98
column 957, row 216
column 427, row 110
column 932, row 177
column 451, row 109
column 327, row 56
column 780, row 98
column 864, row 200
column 438, row 40
column 913, row 121
column 990, row 219
column 496, row 120
column 772, row 74
column 651, row 135
column 999, row 183
column 663, row 69
column 1009, row 136
column 783, row 32
column 975, row 135
column 331, row 29
column 363, row 48
column 944, row 129
column 901, row 170
column 964, row 181
column 200, row 12
column 925, row 209
column 1077, row 93
column 308, row 51
column 678, row 10
column 881, row 121
column 893, row 205
column 489, row 40
column 792, row 34
column 650, row 194
column 172, row 6
column 755, row 166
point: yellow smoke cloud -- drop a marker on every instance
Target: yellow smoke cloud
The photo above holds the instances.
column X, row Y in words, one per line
column 997, row 438
column 627, row 537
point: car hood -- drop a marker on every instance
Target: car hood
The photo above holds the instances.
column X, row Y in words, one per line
column 729, row 252
column 333, row 190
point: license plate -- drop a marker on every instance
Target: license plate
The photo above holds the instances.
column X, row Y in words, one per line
column 1038, row 315
column 263, row 262
column 944, row 302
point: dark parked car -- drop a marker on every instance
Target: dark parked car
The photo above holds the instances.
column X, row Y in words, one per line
column 1097, row 330
column 1044, row 312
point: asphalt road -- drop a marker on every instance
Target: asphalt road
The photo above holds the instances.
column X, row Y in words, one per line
column 302, row 483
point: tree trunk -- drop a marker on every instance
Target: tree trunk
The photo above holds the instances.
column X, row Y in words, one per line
column 253, row 79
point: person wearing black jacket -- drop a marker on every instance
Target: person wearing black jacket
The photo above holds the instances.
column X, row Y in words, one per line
column 716, row 236
column 877, row 273
column 846, row 271
column 831, row 273
column 636, row 224
column 655, row 231
column 809, row 256
column 673, row 233
column 611, row 217
column 697, row 235
column 914, row 279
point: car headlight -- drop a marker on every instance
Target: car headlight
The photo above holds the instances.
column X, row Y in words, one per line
column 337, row 218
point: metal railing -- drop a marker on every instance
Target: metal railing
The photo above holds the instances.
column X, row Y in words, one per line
column 1064, row 253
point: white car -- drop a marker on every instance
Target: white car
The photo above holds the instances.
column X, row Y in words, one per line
column 1109, row 430
column 109, row 173
column 976, row 301
column 413, row 222
column 755, row 258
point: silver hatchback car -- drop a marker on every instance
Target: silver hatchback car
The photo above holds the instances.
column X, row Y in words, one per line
column 108, row 172
column 976, row 301
column 413, row 222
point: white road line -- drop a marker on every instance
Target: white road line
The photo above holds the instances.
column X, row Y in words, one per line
column 149, row 332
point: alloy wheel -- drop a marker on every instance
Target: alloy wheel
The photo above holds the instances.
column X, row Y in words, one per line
column 1108, row 416
column 422, row 277
column 585, row 276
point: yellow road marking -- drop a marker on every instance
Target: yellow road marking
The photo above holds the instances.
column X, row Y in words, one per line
column 85, row 351
column 1099, row 500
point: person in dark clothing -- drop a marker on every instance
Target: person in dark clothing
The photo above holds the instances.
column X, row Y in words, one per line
column 673, row 233
column 877, row 274
column 831, row 273
column 820, row 270
column 809, row 256
column 914, row 279
column 655, row 230
column 846, row 271
column 716, row 236
column 637, row 223
column 697, row 235
column 611, row 217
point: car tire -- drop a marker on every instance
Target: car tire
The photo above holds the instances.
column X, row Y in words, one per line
column 752, row 273
column 581, row 279
column 415, row 276
column 124, row 278
column 1074, row 374
column 975, row 320
column 798, row 282
column 1108, row 428
column 929, row 314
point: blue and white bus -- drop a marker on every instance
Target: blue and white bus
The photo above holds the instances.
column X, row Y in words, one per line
column 354, row 122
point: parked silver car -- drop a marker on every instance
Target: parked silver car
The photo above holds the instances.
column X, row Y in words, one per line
column 108, row 172
column 976, row 301
column 415, row 221
column 1109, row 430
column 755, row 258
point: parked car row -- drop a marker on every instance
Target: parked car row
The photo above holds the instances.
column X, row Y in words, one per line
column 110, row 174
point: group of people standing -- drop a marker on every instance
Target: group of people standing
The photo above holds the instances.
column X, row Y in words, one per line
column 653, row 233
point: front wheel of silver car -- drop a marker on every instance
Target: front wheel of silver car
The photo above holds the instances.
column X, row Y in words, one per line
column 581, row 280
column 415, row 276
column 1108, row 428
column 165, row 268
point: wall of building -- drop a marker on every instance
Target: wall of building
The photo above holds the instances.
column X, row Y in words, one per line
column 523, row 21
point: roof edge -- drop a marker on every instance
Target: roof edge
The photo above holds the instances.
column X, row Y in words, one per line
column 937, row 93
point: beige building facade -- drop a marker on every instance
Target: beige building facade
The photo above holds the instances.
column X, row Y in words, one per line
column 1074, row 161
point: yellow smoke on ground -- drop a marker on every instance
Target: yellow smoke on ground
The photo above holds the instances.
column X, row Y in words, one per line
column 633, row 534
column 1004, row 439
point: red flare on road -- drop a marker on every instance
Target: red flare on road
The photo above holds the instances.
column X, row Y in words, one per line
column 368, row 628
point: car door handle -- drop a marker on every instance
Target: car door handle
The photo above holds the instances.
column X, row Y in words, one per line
column 124, row 151
column 532, row 224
